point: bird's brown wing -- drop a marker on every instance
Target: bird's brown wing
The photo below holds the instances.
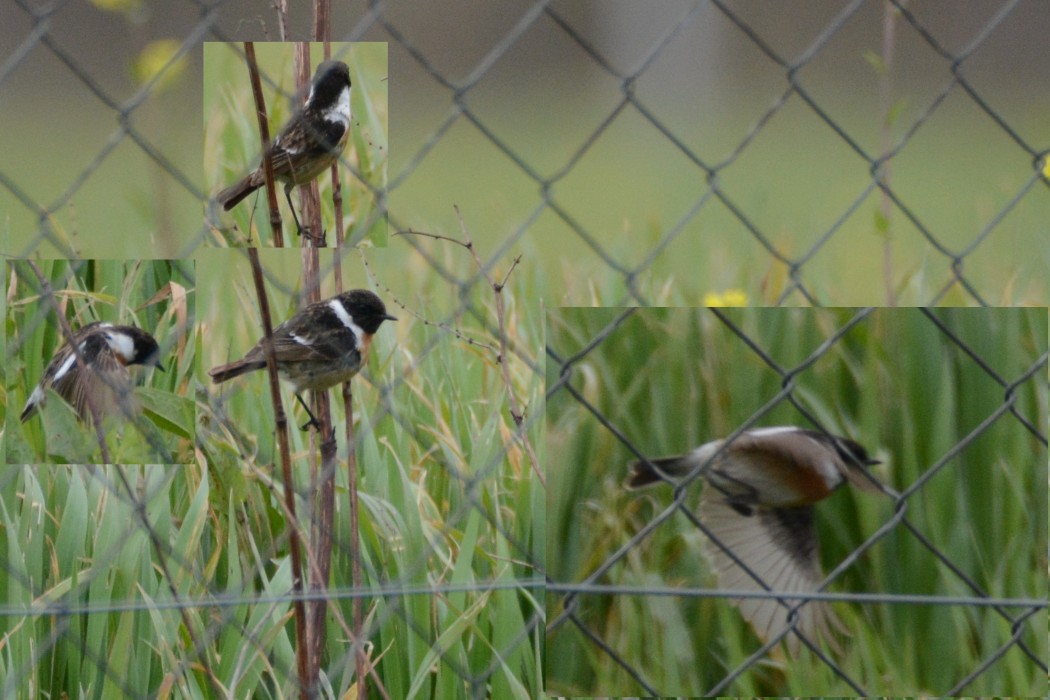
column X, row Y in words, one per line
column 780, row 547
column 296, row 344
column 105, row 379
column 307, row 146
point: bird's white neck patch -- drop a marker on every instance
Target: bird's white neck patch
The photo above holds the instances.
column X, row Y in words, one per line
column 347, row 320
column 122, row 344
column 339, row 111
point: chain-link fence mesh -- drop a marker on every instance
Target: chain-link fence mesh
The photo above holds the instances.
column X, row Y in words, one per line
column 137, row 581
column 933, row 604
column 635, row 154
column 125, row 580
column 856, row 153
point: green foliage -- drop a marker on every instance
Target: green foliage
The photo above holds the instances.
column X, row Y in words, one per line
column 451, row 516
column 232, row 145
column 157, row 296
column 670, row 379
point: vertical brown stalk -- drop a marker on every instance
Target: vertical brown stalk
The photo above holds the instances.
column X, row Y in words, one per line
column 302, row 648
column 889, row 17
column 276, row 226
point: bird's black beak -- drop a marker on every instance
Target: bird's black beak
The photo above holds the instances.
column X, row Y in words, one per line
column 388, row 317
column 872, row 462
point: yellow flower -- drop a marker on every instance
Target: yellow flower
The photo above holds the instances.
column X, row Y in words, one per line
column 152, row 60
column 730, row 297
column 1046, row 166
column 125, row 6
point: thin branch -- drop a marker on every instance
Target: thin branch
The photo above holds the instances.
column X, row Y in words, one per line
column 282, row 18
column 312, row 233
column 276, row 225
column 889, row 17
column 427, row 322
column 302, row 647
column 516, row 412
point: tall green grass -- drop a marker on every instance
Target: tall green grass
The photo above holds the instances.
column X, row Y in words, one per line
column 232, row 146
column 451, row 517
column 157, row 296
column 670, row 379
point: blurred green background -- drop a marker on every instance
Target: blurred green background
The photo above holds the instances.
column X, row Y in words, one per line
column 448, row 499
column 231, row 140
column 671, row 379
column 448, row 496
column 560, row 130
column 158, row 296
column 590, row 99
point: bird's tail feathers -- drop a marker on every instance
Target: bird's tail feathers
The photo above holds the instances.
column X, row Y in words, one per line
column 643, row 475
column 224, row 373
column 234, row 194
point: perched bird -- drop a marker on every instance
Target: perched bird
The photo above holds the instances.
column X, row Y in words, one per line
column 758, row 503
column 324, row 344
column 309, row 143
column 107, row 350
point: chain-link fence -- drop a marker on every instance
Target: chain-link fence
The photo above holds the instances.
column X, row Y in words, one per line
column 860, row 153
column 841, row 153
column 129, row 580
column 207, row 571
column 943, row 573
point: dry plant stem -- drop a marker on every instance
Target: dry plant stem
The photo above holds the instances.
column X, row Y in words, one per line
column 276, row 228
column 96, row 417
column 302, row 648
column 425, row 321
column 309, row 197
column 889, row 17
column 282, row 18
column 460, row 335
column 361, row 667
column 337, row 209
column 322, row 540
column 323, row 507
column 269, row 482
column 497, row 288
column 162, row 561
column 323, row 24
column 322, row 496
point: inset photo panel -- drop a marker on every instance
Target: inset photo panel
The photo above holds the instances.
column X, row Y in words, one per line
column 99, row 361
column 796, row 502
column 413, row 384
column 322, row 112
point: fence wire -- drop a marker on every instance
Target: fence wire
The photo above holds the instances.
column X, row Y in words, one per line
column 952, row 259
column 598, row 411
column 107, row 522
column 114, row 137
